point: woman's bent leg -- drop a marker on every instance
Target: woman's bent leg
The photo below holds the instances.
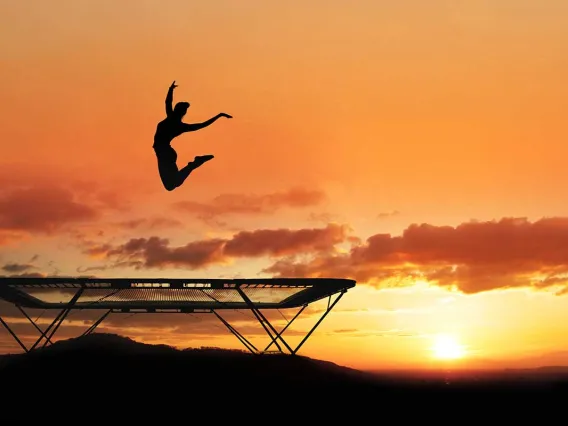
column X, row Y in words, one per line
column 184, row 173
column 172, row 177
column 169, row 174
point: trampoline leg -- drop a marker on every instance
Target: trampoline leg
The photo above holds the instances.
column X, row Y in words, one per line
column 58, row 319
column 44, row 333
column 31, row 320
column 13, row 334
column 239, row 336
column 96, row 324
column 262, row 319
column 287, row 325
column 328, row 310
column 269, row 328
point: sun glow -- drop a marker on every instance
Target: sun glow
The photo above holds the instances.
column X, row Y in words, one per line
column 447, row 347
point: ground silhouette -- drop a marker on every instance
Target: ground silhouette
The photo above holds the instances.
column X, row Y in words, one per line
column 129, row 379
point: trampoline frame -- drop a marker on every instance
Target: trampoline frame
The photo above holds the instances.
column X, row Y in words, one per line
column 13, row 290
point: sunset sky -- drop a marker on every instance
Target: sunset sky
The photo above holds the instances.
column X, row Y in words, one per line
column 416, row 146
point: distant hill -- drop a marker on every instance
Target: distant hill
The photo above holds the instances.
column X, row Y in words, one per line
column 103, row 374
column 106, row 354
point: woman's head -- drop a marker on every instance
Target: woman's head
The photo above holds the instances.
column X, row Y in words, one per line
column 181, row 108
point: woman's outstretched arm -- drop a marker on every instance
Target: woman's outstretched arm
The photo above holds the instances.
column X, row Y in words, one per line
column 170, row 99
column 196, row 126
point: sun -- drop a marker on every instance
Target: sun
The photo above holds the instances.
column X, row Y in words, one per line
column 447, row 347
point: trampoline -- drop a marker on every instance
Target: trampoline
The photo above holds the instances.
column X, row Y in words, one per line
column 152, row 295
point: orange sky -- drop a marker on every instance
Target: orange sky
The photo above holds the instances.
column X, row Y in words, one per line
column 423, row 142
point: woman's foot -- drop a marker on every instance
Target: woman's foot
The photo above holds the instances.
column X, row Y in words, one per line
column 200, row 159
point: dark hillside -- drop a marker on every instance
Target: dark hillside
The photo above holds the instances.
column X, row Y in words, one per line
column 101, row 375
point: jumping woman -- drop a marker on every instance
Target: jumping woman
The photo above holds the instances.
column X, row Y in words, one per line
column 169, row 128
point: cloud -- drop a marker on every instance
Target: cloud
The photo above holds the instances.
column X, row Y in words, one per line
column 41, row 209
column 472, row 257
column 150, row 223
column 281, row 242
column 386, row 215
column 25, row 275
column 155, row 252
column 7, row 237
column 324, row 217
column 225, row 204
column 17, row 267
column 47, row 200
column 112, row 199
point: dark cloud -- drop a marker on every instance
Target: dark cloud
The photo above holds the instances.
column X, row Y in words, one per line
column 282, row 242
column 15, row 268
column 472, row 257
column 47, row 200
column 41, row 209
column 155, row 252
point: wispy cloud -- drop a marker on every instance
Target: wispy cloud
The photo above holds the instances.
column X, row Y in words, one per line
column 232, row 204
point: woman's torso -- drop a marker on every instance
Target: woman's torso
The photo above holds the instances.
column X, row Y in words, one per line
column 166, row 131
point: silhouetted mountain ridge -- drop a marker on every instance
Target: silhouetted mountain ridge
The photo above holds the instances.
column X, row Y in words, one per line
column 101, row 344
column 126, row 357
column 130, row 376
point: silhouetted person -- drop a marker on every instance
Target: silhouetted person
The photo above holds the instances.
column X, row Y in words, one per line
column 166, row 131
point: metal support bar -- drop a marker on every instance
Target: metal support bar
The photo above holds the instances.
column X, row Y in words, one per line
column 58, row 319
column 319, row 321
column 44, row 333
column 13, row 334
column 287, row 325
column 96, row 324
column 262, row 320
column 232, row 329
column 275, row 337
column 31, row 320
column 270, row 330
column 239, row 336
column 67, row 310
column 276, row 334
